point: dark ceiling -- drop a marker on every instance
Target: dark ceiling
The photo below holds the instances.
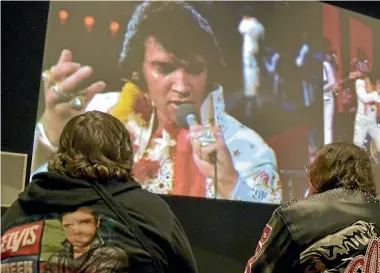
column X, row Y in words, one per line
column 369, row 8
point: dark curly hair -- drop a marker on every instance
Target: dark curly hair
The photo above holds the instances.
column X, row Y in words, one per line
column 94, row 145
column 342, row 164
column 180, row 29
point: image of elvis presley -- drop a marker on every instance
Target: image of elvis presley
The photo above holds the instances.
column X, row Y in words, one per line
column 170, row 56
column 84, row 250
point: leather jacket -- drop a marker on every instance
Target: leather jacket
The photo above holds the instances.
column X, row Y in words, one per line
column 100, row 258
column 335, row 231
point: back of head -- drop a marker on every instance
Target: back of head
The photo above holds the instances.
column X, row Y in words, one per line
column 94, row 145
column 342, row 164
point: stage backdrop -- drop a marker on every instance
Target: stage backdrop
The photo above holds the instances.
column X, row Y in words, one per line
column 352, row 36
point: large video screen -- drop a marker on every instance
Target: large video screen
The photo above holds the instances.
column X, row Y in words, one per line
column 252, row 70
column 352, row 69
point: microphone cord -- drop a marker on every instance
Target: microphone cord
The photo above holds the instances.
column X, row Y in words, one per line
column 216, row 176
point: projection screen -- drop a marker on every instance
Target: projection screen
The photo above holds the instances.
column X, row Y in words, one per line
column 275, row 79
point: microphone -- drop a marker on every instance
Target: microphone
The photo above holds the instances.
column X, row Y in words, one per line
column 186, row 116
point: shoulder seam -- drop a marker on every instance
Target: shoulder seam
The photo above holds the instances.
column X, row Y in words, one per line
column 286, row 224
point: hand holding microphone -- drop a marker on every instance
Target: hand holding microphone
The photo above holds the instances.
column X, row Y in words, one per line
column 209, row 149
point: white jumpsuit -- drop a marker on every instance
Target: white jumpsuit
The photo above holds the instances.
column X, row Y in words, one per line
column 252, row 30
column 365, row 119
column 328, row 102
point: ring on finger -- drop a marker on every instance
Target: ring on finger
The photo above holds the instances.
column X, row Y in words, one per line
column 78, row 102
column 57, row 89
column 206, row 137
column 47, row 76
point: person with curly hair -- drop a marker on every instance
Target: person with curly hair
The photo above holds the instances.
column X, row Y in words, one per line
column 334, row 228
column 93, row 164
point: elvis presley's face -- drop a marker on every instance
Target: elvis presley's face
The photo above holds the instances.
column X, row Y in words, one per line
column 172, row 81
column 79, row 227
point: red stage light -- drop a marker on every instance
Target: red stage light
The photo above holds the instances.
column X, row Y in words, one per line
column 63, row 16
column 114, row 27
column 89, row 21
